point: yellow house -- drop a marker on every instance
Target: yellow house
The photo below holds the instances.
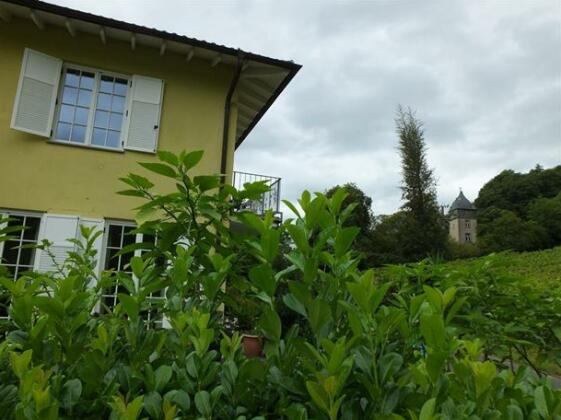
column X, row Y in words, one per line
column 84, row 98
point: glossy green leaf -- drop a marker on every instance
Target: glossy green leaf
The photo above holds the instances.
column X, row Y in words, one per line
column 153, row 404
column 162, row 375
column 159, row 168
column 190, row 160
column 427, row 411
column 432, row 328
column 71, row 392
column 202, row 403
column 130, row 305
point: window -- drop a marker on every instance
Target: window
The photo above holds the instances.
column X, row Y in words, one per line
column 119, row 235
column 468, row 237
column 91, row 108
column 14, row 258
column 82, row 106
column 467, row 224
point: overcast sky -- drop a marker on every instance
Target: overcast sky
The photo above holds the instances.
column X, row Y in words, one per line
column 484, row 76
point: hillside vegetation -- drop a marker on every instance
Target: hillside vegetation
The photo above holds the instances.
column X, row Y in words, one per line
column 512, row 302
column 520, row 211
column 542, row 268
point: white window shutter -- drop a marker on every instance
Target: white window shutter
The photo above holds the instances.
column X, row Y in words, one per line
column 2, row 226
column 35, row 102
column 98, row 225
column 57, row 229
column 144, row 114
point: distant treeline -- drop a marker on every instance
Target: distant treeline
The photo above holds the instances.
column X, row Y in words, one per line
column 520, row 211
column 516, row 211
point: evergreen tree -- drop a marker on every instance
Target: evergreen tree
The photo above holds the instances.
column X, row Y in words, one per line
column 425, row 228
column 362, row 217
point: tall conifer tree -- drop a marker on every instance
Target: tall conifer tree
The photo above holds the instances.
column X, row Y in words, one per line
column 425, row 230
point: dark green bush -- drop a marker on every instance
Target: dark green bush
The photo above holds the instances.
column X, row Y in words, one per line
column 369, row 350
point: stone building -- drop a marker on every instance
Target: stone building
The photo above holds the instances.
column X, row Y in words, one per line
column 463, row 220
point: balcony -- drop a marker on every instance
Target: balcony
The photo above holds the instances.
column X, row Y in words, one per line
column 268, row 201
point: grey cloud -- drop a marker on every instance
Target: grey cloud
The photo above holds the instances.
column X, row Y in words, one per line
column 485, row 77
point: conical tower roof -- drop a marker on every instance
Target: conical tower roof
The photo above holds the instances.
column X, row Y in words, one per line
column 461, row 203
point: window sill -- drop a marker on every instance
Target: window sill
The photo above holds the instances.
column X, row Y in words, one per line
column 85, row 146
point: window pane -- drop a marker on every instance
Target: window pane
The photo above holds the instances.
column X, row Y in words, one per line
column 63, row 131
column 125, row 261
column 66, row 113
column 101, row 119
column 109, row 301
column 72, row 77
column 16, row 221
column 26, row 256
column 118, row 104
column 87, row 81
column 104, row 101
column 10, row 254
column 106, row 84
column 98, row 137
column 129, row 238
column 120, row 87
column 4, row 304
column 81, row 116
column 113, row 139
column 84, row 98
column 114, row 237
column 112, row 261
column 32, row 228
column 116, row 121
column 69, row 95
column 78, row 134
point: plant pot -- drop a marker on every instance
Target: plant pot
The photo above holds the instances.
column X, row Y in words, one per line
column 252, row 345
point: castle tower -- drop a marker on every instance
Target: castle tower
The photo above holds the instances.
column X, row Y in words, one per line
column 463, row 220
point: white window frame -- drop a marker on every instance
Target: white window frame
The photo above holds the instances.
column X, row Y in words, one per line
column 95, row 92
column 21, row 213
column 163, row 323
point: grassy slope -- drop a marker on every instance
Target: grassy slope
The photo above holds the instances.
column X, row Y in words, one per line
column 540, row 267
column 538, row 270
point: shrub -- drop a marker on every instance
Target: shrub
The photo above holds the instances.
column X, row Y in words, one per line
column 365, row 350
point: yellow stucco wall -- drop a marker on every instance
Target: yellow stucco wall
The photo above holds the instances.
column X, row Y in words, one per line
column 37, row 175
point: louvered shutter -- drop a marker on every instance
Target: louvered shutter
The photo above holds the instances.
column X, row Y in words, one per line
column 3, row 216
column 35, row 101
column 57, row 229
column 144, row 114
column 98, row 225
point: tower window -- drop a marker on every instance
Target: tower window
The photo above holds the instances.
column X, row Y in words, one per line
column 468, row 237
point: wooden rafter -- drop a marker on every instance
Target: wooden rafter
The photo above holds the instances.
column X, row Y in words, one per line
column 36, row 20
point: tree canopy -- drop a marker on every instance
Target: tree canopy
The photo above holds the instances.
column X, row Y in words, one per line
column 520, row 211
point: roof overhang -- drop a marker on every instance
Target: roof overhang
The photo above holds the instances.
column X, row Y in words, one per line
column 262, row 79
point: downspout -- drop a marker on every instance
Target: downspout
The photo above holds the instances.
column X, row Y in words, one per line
column 227, row 109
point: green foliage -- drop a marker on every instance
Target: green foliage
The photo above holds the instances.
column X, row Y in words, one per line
column 520, row 211
column 502, row 230
column 546, row 213
column 511, row 302
column 516, row 191
column 361, row 215
column 393, row 346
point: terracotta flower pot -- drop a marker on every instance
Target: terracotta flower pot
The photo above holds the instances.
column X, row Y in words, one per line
column 252, row 345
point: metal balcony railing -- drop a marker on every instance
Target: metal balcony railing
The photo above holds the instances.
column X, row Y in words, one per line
column 269, row 200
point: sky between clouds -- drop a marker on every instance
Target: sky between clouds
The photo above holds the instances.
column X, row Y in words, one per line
column 484, row 76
